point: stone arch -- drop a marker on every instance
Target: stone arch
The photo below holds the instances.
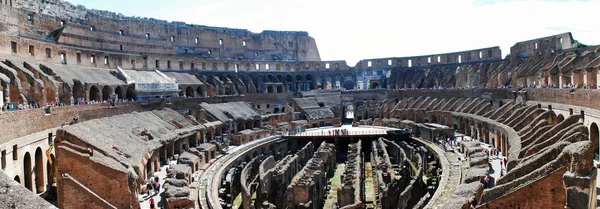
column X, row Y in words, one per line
column 181, row 92
column 77, row 91
column 374, row 85
column 280, row 78
column 271, row 78
column 199, row 91
column 308, row 77
column 276, row 110
column 279, row 89
column 119, row 92
column 94, row 93
column 17, row 179
column 106, row 92
column 130, row 93
column 289, row 78
column 189, row 91
column 348, row 85
column 39, row 170
column 27, row 171
column 270, row 89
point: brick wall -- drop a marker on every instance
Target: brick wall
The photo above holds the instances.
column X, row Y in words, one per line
column 21, row 123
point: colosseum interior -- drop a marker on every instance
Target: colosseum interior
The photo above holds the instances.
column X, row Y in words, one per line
column 101, row 110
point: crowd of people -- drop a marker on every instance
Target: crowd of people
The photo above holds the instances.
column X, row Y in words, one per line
column 11, row 106
column 338, row 132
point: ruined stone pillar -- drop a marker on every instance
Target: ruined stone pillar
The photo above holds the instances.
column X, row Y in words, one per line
column 581, row 190
column 560, row 81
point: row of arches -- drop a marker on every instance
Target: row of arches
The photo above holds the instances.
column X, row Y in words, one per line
column 190, row 91
column 257, row 83
column 105, row 93
column 37, row 172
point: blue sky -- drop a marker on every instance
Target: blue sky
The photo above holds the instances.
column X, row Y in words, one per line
column 354, row 30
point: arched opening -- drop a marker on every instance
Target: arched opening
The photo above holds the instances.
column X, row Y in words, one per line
column 181, row 92
column 276, row 110
column 308, row 77
column 189, row 91
column 119, row 92
column 594, row 135
column 94, row 93
column 279, row 89
column 27, row 171
column 130, row 93
column 271, row 78
column 17, row 179
column 348, row 85
column 39, row 170
column 298, row 77
column 199, row 92
column 78, row 93
column 228, row 90
column 270, row 89
column 106, row 93
column 560, row 118
column 374, row 85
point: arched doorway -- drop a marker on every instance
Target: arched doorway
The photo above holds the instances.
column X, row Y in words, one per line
column 77, row 91
column 27, row 171
column 39, row 171
column 119, row 92
column 94, row 93
column 106, row 93
column 270, row 89
column 130, row 94
column 374, row 85
column 181, row 92
column 348, row 85
column 189, row 92
column 276, row 110
column 279, row 89
column 17, row 179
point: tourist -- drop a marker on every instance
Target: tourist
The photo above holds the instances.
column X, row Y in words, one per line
column 149, row 188
column 152, row 202
column 157, row 188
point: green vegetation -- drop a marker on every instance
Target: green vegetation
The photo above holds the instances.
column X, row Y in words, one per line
column 579, row 44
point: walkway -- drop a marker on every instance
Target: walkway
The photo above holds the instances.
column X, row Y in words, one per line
column 351, row 131
column 158, row 198
column 336, row 180
column 370, row 199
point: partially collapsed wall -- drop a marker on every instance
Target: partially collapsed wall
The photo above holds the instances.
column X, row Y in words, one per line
column 307, row 188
